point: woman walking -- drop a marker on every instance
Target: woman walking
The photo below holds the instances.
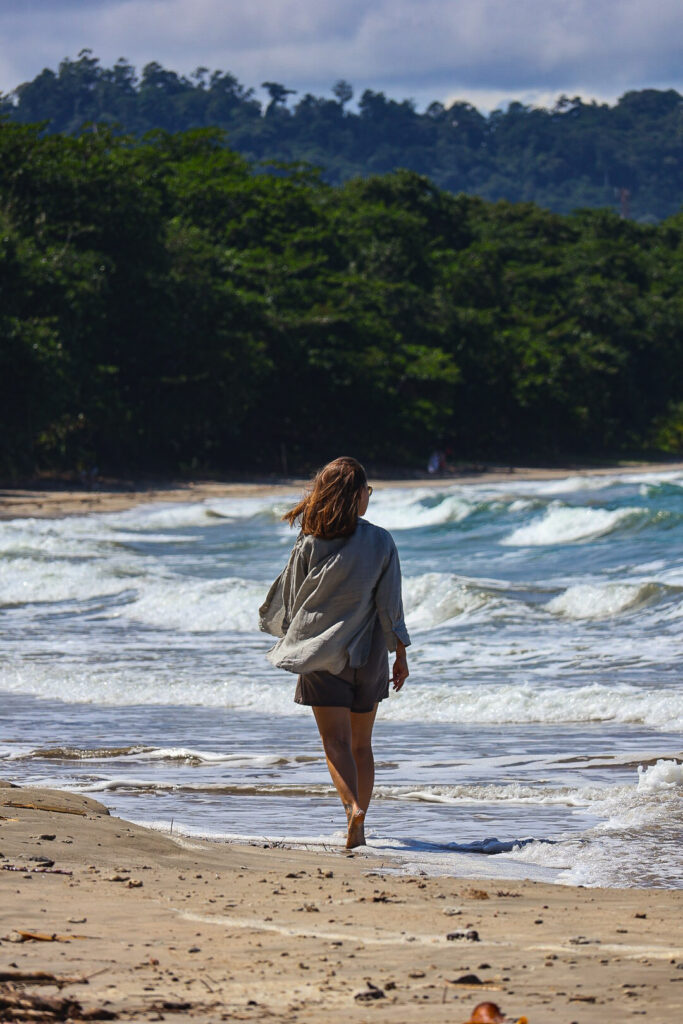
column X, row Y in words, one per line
column 337, row 609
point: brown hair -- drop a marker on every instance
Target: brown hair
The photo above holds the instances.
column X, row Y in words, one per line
column 329, row 508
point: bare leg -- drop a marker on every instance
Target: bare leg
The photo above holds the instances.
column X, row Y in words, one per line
column 361, row 747
column 334, row 725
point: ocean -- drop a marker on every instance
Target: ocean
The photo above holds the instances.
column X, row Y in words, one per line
column 538, row 735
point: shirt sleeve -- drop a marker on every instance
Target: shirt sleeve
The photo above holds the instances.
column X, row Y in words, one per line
column 276, row 611
column 390, row 604
column 272, row 611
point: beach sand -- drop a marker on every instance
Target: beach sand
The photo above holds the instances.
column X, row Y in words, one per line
column 150, row 927
column 52, row 501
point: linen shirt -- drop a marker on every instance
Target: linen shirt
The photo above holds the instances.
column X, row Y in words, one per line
column 324, row 604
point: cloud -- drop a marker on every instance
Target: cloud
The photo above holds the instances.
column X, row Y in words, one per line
column 427, row 49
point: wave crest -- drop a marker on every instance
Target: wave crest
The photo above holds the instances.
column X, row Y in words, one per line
column 571, row 525
column 604, row 600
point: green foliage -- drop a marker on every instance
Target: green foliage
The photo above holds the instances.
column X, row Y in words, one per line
column 574, row 155
column 164, row 304
column 667, row 430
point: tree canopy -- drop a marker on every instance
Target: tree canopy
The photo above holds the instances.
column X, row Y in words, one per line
column 164, row 306
column 628, row 156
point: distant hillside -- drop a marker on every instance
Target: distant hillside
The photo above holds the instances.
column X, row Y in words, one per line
column 628, row 157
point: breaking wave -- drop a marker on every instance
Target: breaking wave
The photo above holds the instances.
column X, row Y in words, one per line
column 603, row 600
column 434, row 701
column 570, row 525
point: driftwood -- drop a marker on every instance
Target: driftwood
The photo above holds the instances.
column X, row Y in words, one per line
column 35, row 871
column 40, row 978
column 19, row 935
column 38, row 807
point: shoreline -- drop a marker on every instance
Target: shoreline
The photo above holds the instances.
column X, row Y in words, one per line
column 49, row 501
column 227, row 931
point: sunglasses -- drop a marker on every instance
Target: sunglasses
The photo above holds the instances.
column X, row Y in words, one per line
column 369, row 489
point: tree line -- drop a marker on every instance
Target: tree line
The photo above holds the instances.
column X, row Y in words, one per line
column 628, row 157
column 164, row 306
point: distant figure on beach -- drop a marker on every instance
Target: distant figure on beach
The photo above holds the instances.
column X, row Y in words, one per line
column 337, row 610
column 89, row 477
column 435, row 463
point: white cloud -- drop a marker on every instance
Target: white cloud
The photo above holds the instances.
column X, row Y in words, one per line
column 427, row 49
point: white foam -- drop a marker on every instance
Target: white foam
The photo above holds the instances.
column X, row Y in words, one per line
column 464, row 795
column 434, row 598
column 649, row 813
column 186, row 755
column 208, row 512
column 132, row 784
column 197, row 605
column 504, row 793
column 25, row 580
column 48, row 537
column 576, row 482
column 602, row 600
column 571, row 484
column 567, row 525
column 510, row 703
column 211, row 757
column 656, row 799
column 403, row 509
column 664, row 776
column 484, row 703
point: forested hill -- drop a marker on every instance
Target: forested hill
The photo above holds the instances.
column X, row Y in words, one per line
column 163, row 308
column 628, row 157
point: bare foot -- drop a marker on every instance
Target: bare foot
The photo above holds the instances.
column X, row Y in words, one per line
column 356, row 831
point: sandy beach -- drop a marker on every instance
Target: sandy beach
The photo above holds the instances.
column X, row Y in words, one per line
column 144, row 926
column 51, row 501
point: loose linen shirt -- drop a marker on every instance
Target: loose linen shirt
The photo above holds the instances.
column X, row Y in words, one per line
column 324, row 604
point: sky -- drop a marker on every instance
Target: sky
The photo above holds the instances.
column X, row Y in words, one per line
column 487, row 52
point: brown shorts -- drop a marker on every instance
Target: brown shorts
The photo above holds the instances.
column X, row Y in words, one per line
column 358, row 689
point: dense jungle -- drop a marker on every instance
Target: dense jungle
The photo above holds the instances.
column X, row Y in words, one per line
column 170, row 304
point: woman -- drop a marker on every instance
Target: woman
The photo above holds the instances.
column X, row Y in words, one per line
column 337, row 610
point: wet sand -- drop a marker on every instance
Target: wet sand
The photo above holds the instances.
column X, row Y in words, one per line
column 47, row 501
column 150, row 927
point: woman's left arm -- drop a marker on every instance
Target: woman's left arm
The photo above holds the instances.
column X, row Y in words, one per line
column 389, row 604
column 400, row 672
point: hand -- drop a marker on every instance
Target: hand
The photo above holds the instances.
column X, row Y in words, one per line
column 400, row 672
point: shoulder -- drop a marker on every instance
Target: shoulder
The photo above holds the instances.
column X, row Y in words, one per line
column 299, row 543
column 299, row 549
column 377, row 536
column 318, row 548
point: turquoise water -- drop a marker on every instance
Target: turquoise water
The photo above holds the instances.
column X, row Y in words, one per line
column 538, row 734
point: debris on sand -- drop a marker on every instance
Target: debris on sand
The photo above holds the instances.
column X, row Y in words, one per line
column 471, row 935
column 19, row 1005
column 371, row 992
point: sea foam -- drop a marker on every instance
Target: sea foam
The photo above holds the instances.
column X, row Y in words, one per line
column 603, row 600
column 569, row 525
column 195, row 605
column 439, row 702
column 411, row 510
